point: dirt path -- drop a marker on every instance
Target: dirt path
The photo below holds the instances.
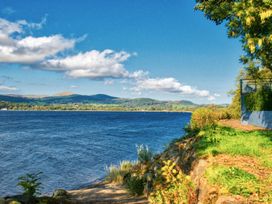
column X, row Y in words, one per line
column 104, row 193
column 237, row 125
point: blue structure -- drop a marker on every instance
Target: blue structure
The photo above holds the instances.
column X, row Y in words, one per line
column 257, row 118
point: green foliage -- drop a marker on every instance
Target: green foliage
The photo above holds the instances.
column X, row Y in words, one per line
column 96, row 102
column 256, row 144
column 31, row 185
column 261, row 100
column 171, row 185
column 135, row 185
column 251, row 20
column 222, row 113
column 203, row 117
column 144, row 154
column 116, row 174
column 236, row 181
column 235, row 106
column 98, row 107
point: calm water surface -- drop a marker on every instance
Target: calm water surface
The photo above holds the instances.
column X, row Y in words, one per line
column 73, row 148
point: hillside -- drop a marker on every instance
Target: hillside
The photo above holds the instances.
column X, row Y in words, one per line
column 73, row 101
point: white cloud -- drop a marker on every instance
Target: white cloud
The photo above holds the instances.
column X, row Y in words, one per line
column 7, row 88
column 108, row 82
column 8, row 11
column 92, row 64
column 170, row 85
column 7, row 27
column 211, row 98
column 28, row 50
column 74, row 86
column 44, row 53
column 139, row 75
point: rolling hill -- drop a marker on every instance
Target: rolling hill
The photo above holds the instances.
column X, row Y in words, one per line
column 92, row 99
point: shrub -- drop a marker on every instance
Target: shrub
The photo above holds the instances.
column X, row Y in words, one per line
column 116, row 173
column 171, row 186
column 261, row 100
column 126, row 166
column 60, row 193
column 135, row 185
column 223, row 113
column 31, row 185
column 203, row 117
column 144, row 154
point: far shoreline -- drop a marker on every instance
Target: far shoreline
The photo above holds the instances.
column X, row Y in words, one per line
column 128, row 111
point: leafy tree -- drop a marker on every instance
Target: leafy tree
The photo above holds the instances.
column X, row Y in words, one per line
column 249, row 20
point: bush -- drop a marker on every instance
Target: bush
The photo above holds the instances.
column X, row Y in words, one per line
column 31, row 185
column 144, row 154
column 126, row 166
column 171, row 186
column 60, row 193
column 261, row 100
column 223, row 113
column 135, row 185
column 203, row 117
column 116, row 174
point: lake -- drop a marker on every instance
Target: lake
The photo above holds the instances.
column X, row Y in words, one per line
column 72, row 149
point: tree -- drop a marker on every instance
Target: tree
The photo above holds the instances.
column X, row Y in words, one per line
column 249, row 20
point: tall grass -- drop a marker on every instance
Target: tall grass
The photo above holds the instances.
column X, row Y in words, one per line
column 144, row 154
column 116, row 173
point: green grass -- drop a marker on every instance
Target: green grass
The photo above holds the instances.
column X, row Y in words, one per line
column 233, row 180
column 222, row 140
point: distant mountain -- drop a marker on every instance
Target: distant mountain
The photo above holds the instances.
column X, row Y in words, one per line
column 68, row 98
column 16, row 99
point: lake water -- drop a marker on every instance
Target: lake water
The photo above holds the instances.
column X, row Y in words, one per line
column 73, row 148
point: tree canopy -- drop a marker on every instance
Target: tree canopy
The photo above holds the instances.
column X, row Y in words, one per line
column 249, row 20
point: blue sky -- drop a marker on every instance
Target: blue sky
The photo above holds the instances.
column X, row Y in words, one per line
column 138, row 48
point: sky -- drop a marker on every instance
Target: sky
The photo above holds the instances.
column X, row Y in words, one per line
column 159, row 49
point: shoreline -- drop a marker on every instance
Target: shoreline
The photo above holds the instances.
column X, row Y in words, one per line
column 125, row 111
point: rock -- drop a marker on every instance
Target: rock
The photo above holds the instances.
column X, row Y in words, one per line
column 213, row 194
column 60, row 193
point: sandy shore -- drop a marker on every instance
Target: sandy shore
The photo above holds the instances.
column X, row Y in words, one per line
column 104, row 193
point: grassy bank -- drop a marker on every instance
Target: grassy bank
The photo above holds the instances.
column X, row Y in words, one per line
column 241, row 162
column 211, row 163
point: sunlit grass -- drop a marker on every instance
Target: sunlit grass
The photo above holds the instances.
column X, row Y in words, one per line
column 116, row 173
column 221, row 140
column 233, row 180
